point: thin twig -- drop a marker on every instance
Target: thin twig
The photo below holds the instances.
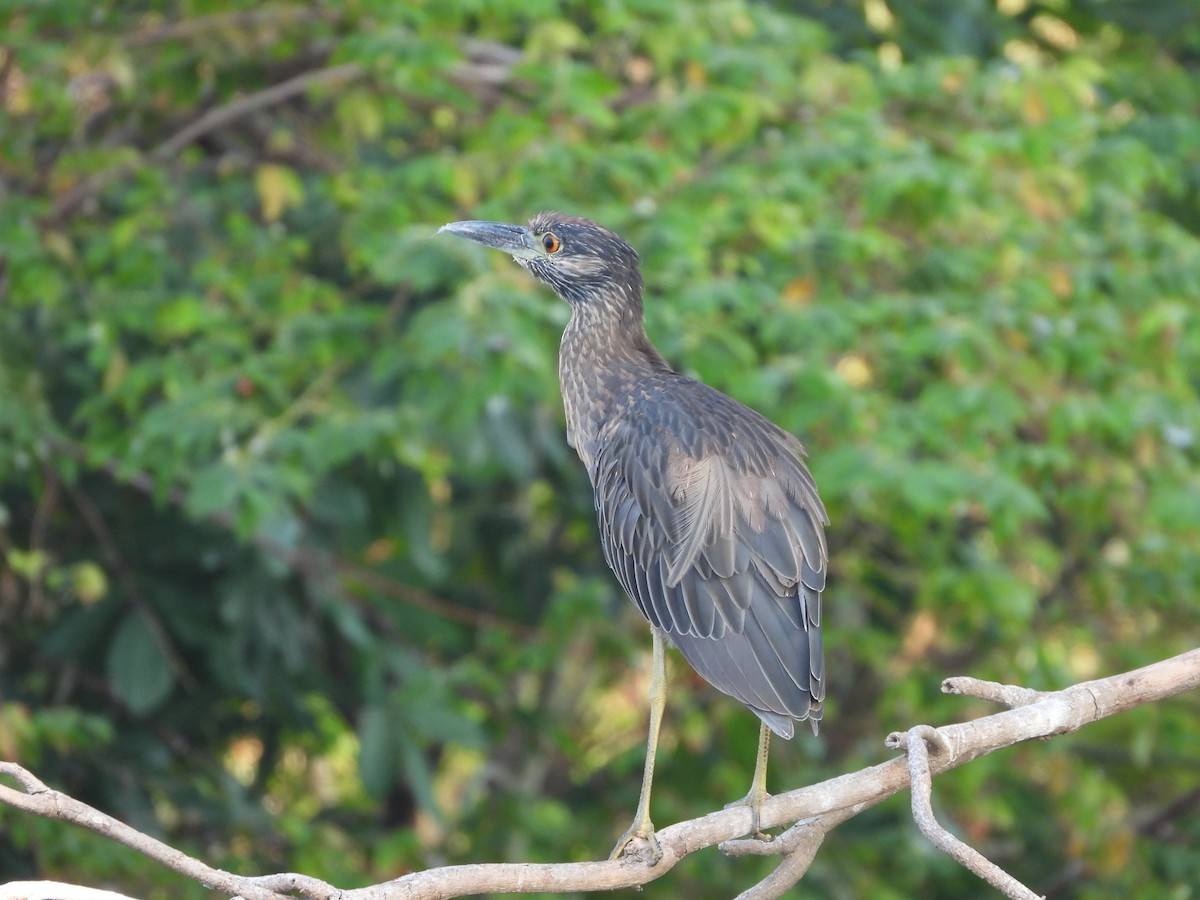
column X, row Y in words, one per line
column 915, row 743
column 42, row 513
column 213, row 119
column 1010, row 695
column 30, row 782
column 790, row 870
column 242, row 106
column 51, row 804
column 228, row 21
column 798, row 846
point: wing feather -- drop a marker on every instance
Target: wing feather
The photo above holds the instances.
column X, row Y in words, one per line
column 713, row 526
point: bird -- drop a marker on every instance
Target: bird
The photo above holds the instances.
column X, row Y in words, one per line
column 708, row 514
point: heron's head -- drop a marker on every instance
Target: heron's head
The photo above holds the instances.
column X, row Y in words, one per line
column 584, row 262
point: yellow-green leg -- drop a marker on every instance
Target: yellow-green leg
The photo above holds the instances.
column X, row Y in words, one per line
column 642, row 827
column 758, row 787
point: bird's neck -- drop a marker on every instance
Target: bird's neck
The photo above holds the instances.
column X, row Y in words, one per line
column 604, row 357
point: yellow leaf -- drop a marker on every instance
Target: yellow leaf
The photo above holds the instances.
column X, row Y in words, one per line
column 1146, row 450
column 14, row 725
column 380, row 550
column 854, row 370
column 799, row 291
column 1015, row 339
column 15, row 90
column 60, row 246
column 1033, row 107
column 360, row 114
column 242, row 758
column 1054, row 31
column 879, row 17
column 1024, row 54
column 921, row 633
column 115, row 372
column 1061, row 282
column 553, row 39
column 465, row 186
column 1035, row 199
column 89, row 582
column 278, row 189
column 1116, row 852
column 952, row 82
column 639, row 70
column 694, row 74
column 891, row 57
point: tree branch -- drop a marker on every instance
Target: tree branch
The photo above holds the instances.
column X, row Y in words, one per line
column 42, row 801
column 210, row 121
column 817, row 807
column 242, row 106
column 798, row 846
column 54, row 890
column 236, row 21
column 914, row 743
column 1009, row 695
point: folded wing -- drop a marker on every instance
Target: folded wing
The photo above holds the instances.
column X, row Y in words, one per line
column 713, row 525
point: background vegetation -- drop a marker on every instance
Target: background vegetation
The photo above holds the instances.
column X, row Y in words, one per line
column 297, row 570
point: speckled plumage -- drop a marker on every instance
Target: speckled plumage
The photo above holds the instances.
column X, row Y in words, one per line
column 708, row 515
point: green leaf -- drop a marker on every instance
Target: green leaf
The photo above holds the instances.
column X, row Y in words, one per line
column 376, row 755
column 138, row 669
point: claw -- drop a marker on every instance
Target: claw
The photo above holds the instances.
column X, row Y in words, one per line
column 755, row 800
column 758, row 788
column 639, row 843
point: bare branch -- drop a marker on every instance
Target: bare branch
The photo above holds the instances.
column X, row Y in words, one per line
column 788, row 872
column 272, row 96
column 922, row 808
column 798, row 846
column 820, row 806
column 54, row 890
column 487, row 64
column 30, row 782
column 292, row 883
column 42, row 801
column 1009, row 695
column 228, row 21
column 210, row 121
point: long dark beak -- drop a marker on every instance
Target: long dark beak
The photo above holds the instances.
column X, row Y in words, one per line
column 514, row 239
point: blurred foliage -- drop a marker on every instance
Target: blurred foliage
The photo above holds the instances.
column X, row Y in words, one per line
column 297, row 570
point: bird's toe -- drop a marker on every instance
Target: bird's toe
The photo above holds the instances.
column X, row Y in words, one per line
column 638, row 843
column 754, row 800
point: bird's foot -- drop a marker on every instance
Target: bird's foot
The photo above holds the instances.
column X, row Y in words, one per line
column 638, row 843
column 755, row 800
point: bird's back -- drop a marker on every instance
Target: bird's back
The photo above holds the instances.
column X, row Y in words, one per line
column 712, row 523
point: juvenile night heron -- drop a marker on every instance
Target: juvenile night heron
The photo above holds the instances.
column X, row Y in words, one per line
column 708, row 515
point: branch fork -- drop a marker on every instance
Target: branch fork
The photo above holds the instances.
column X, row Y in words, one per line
column 811, row 812
column 918, row 742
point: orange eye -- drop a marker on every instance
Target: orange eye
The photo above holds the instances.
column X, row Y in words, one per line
column 551, row 242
